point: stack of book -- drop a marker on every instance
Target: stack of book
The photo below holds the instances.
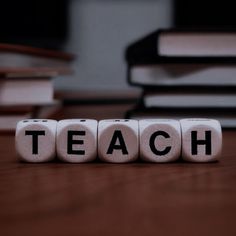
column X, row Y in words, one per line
column 185, row 73
column 26, row 86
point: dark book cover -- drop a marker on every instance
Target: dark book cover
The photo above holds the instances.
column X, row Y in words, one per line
column 146, row 50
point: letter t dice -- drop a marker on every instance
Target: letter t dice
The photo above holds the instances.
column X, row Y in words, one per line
column 36, row 140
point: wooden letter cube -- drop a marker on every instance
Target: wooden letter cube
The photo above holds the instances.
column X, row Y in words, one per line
column 160, row 140
column 201, row 140
column 36, row 140
column 118, row 140
column 77, row 140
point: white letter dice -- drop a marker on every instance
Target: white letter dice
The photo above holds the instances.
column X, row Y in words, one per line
column 35, row 140
column 118, row 140
column 160, row 140
column 77, row 140
column 201, row 140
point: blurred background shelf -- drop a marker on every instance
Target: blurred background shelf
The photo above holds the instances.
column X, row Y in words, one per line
column 98, row 32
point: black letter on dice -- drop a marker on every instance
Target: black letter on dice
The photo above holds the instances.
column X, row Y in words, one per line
column 35, row 134
column 121, row 146
column 71, row 142
column 152, row 143
column 196, row 142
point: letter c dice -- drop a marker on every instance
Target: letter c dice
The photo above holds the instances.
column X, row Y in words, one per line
column 160, row 140
column 35, row 140
column 118, row 140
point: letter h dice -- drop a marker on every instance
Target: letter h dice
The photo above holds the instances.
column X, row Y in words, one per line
column 201, row 140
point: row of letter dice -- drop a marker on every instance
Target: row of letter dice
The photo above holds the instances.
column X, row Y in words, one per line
column 119, row 141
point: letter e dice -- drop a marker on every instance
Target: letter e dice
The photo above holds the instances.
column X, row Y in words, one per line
column 77, row 140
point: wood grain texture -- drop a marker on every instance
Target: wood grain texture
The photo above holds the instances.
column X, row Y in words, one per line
column 117, row 199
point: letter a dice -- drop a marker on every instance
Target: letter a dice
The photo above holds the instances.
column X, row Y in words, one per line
column 77, row 140
column 201, row 140
column 160, row 140
column 35, row 140
column 118, row 140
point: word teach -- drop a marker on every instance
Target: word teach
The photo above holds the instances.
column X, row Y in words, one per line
column 119, row 141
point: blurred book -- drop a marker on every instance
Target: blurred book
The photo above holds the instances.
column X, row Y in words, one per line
column 189, row 100
column 177, row 75
column 194, row 43
column 10, row 115
column 226, row 117
column 26, row 82
column 182, row 58
column 8, row 122
column 185, row 73
column 26, row 61
column 183, row 46
column 19, row 91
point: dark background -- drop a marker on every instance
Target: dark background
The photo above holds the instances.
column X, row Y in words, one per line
column 37, row 22
column 205, row 14
column 45, row 23
column 98, row 31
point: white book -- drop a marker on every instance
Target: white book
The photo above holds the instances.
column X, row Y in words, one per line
column 226, row 121
column 196, row 44
column 10, row 115
column 26, row 91
column 183, row 75
column 190, row 100
column 26, row 60
column 8, row 122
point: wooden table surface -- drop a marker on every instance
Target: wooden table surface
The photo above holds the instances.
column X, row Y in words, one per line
column 117, row 199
